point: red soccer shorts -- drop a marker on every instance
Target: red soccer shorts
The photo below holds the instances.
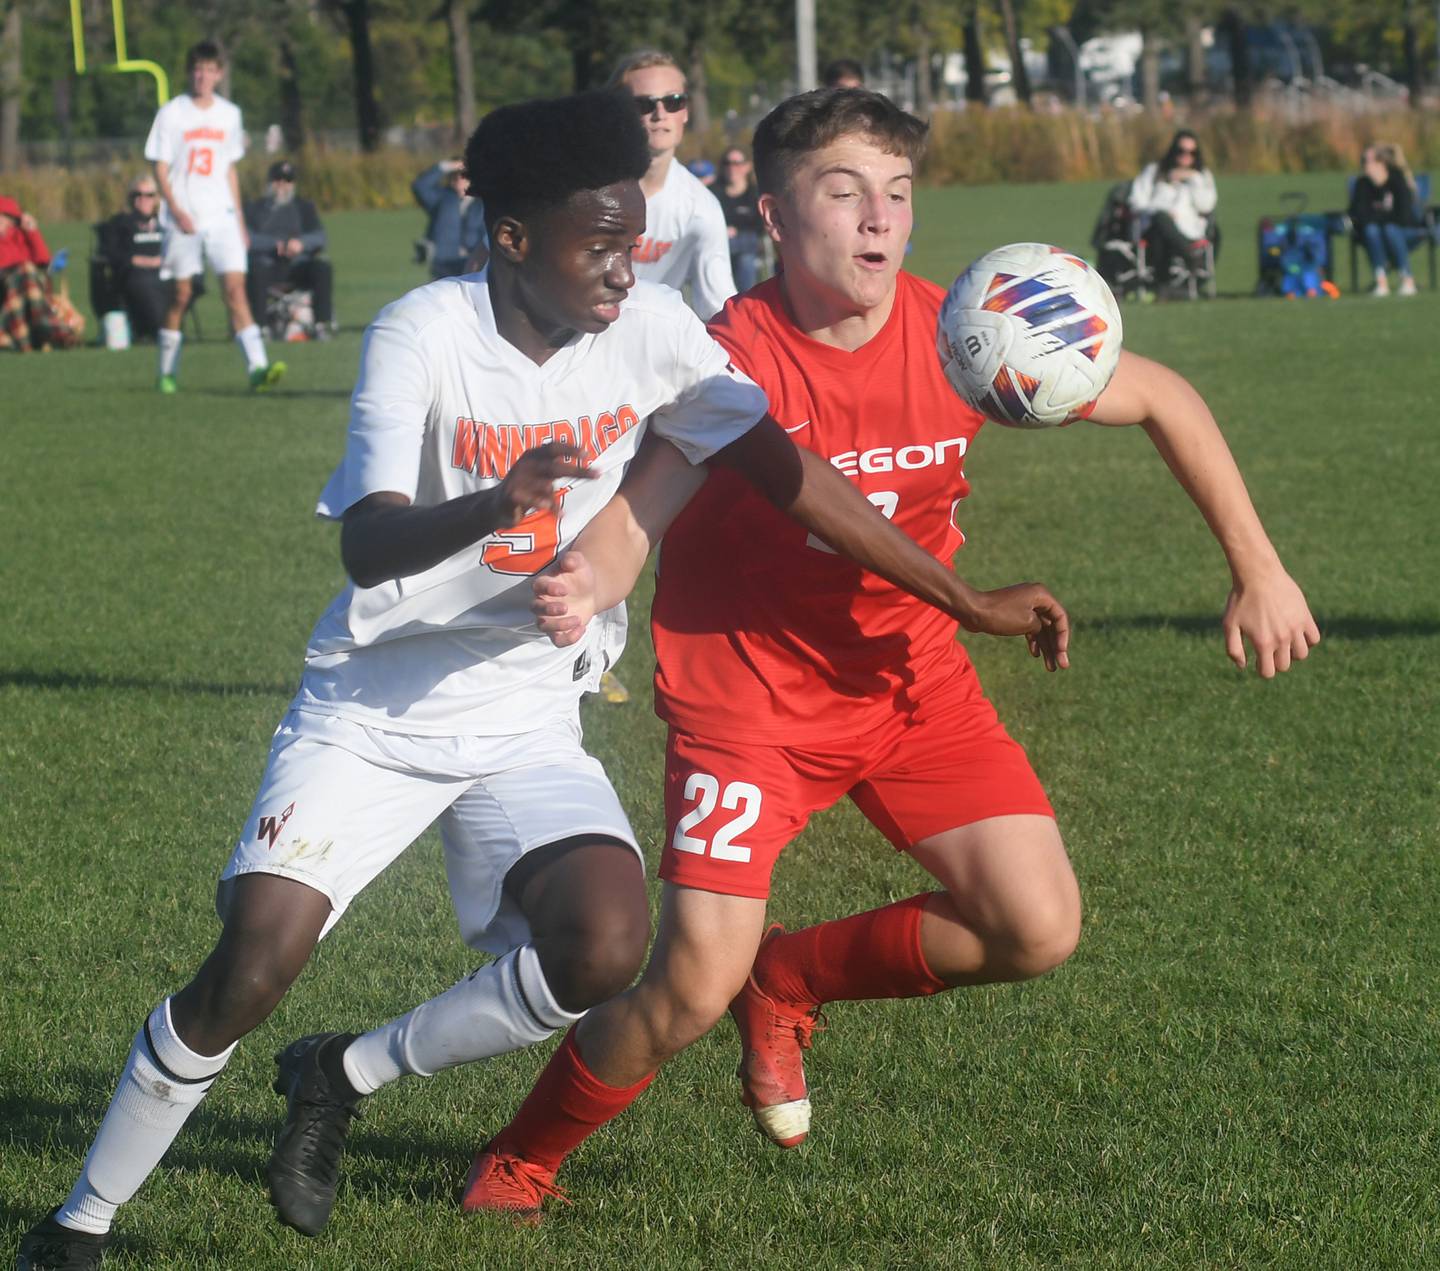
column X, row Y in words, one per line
column 731, row 807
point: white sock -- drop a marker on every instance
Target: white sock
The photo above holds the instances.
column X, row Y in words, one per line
column 500, row 1008
column 252, row 345
column 163, row 1082
column 168, row 342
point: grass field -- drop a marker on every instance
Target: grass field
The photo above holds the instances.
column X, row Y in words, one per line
column 1238, row 1068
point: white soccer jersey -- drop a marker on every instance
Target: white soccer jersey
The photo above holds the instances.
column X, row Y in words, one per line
column 443, row 407
column 199, row 145
column 685, row 242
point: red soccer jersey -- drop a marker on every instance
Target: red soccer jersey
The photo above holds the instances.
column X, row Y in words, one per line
column 764, row 634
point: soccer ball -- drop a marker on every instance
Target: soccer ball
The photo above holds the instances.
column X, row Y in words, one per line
column 1029, row 335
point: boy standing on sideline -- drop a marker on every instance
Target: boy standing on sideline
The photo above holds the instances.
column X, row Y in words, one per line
column 194, row 143
column 685, row 240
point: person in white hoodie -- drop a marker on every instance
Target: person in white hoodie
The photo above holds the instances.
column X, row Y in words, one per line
column 685, row 243
column 1177, row 195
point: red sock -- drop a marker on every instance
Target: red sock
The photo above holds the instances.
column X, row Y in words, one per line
column 869, row 955
column 568, row 1103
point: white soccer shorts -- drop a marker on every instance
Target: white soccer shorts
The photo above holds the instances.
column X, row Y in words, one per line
column 216, row 240
column 339, row 801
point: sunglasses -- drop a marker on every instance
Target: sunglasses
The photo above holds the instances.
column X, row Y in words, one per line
column 1187, row 150
column 146, row 194
column 735, row 163
column 671, row 103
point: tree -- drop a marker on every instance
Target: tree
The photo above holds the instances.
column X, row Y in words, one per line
column 462, row 67
column 975, row 90
column 12, row 87
column 356, row 14
column 1020, row 77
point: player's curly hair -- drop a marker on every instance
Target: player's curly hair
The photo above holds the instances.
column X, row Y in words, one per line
column 805, row 123
column 536, row 154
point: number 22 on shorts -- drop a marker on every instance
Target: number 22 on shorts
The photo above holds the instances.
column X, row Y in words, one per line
column 739, row 797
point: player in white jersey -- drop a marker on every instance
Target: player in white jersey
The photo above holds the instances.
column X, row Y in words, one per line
column 493, row 417
column 685, row 242
column 194, row 143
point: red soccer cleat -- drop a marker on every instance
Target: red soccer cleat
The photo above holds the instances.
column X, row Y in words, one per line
column 499, row 1183
column 773, row 1036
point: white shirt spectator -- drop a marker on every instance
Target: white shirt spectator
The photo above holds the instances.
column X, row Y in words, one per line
column 1189, row 201
column 685, row 241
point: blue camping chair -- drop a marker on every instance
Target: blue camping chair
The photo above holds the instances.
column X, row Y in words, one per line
column 1424, row 232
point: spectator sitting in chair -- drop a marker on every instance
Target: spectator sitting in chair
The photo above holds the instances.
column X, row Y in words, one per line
column 29, row 317
column 456, row 234
column 1177, row 195
column 130, row 250
column 286, row 239
column 1382, row 208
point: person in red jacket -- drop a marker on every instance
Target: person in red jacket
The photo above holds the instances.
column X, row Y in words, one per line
column 27, row 317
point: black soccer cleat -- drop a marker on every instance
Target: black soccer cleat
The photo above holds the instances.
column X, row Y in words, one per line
column 304, row 1169
column 48, row 1246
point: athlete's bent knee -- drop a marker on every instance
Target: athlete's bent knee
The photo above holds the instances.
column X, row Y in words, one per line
column 597, row 959
column 1046, row 938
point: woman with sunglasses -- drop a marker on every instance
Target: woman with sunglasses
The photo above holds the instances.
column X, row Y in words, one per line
column 740, row 201
column 130, row 247
column 685, row 243
column 1177, row 196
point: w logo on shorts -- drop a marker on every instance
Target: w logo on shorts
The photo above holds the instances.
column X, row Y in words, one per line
column 270, row 826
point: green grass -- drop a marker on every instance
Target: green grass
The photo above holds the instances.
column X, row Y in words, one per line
column 1237, row 1068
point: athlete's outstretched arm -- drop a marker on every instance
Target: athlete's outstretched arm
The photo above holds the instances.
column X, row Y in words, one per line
column 603, row 563
column 607, row 556
column 384, row 536
column 808, row 488
column 1265, row 607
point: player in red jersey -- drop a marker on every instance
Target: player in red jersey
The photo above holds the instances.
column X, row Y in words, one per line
column 790, row 679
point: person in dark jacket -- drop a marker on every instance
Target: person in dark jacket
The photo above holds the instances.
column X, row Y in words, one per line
column 1382, row 210
column 740, row 201
column 286, row 242
column 456, row 234
column 130, row 246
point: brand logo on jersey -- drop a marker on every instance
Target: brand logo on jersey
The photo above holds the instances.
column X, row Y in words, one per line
column 489, row 450
column 205, row 134
column 888, row 458
column 270, row 826
column 804, row 423
column 582, row 666
column 649, row 250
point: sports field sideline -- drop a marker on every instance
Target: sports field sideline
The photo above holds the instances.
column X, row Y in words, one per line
column 1237, row 1068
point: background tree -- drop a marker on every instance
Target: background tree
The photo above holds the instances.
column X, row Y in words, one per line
column 12, row 84
column 462, row 66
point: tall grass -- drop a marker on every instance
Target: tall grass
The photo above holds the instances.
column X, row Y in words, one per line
column 333, row 179
column 1008, row 144
column 1014, row 144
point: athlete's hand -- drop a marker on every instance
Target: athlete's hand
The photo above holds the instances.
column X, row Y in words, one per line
column 1271, row 614
column 183, row 219
column 529, row 486
column 1029, row 610
column 565, row 599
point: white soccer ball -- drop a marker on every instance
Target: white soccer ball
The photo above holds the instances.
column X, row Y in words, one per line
column 1029, row 335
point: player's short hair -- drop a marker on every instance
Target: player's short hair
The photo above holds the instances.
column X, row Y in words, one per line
column 204, row 51
column 841, row 68
column 639, row 61
column 810, row 121
column 533, row 155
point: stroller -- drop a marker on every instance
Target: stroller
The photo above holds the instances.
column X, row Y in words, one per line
column 1295, row 251
column 1115, row 240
